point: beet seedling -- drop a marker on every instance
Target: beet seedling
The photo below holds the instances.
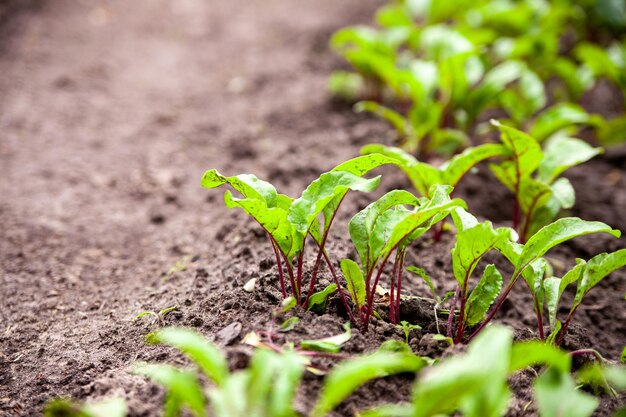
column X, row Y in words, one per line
column 267, row 387
column 381, row 229
column 289, row 222
column 529, row 264
column 586, row 275
column 533, row 176
column 473, row 241
column 475, row 384
column 424, row 176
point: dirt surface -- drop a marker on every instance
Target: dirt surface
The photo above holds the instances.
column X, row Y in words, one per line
column 109, row 115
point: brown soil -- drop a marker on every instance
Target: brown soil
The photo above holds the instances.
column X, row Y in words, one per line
column 110, row 113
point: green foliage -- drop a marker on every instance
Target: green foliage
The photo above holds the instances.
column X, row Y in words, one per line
column 586, row 275
column 111, row 407
column 329, row 344
column 267, row 387
column 424, row 176
column 210, row 360
column 380, row 229
column 532, row 175
column 288, row 222
column 407, row 328
column 350, row 375
column 556, row 395
column 432, row 71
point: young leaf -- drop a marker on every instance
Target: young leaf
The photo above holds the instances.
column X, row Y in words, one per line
column 274, row 379
column 459, row 165
column 534, row 352
column 483, row 295
column 424, row 275
column 561, row 153
column 362, row 226
column 206, row 355
column 597, row 268
column 361, row 165
column 554, row 288
column 557, row 117
column 329, row 344
column 317, row 302
column 323, row 191
column 476, row 379
column 289, row 324
column 110, row 407
column 395, row 119
column 439, row 205
column 350, row 375
column 525, row 154
column 356, row 283
column 247, row 184
column 556, row 233
column 471, row 244
column 557, row 396
column 183, row 388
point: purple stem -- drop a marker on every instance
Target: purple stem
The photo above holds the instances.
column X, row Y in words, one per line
column 279, row 265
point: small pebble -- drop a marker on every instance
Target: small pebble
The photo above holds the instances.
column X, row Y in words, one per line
column 249, row 286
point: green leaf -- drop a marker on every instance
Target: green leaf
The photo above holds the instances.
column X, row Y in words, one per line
column 287, row 304
column 289, row 324
column 363, row 164
column 596, row 269
column 471, row 244
column 557, row 117
column 438, row 206
column 356, row 283
column 483, row 295
column 363, row 224
column 459, row 165
column 274, row 220
column 387, row 410
column 329, row 344
column 525, row 153
column 350, row 375
column 206, row 355
column 322, row 192
column 274, row 379
column 474, row 382
column 109, row 407
column 554, row 288
column 556, row 233
column 424, row 275
column 183, row 387
column 534, row 352
column 556, row 396
column 462, row 219
column 246, row 184
column 561, row 153
column 395, row 119
column 317, row 302
column 422, row 175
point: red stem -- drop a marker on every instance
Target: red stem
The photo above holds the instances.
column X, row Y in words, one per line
column 495, row 309
column 319, row 255
column 279, row 265
column 341, row 294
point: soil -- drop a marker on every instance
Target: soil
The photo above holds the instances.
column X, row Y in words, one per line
column 111, row 112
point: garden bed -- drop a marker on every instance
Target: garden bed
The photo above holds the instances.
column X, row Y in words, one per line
column 103, row 216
